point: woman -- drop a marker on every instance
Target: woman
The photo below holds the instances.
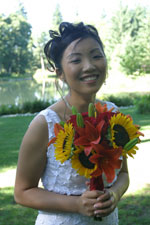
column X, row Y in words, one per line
column 76, row 54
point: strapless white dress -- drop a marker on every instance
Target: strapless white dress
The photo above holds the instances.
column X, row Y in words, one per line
column 63, row 179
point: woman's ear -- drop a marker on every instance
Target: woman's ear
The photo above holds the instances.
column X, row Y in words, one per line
column 59, row 73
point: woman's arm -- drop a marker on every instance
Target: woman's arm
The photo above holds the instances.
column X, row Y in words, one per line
column 107, row 202
column 31, row 164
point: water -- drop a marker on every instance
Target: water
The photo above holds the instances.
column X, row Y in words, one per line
column 20, row 91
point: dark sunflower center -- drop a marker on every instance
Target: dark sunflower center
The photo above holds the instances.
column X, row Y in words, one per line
column 121, row 135
column 64, row 144
column 85, row 160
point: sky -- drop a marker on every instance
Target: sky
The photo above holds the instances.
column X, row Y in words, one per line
column 40, row 12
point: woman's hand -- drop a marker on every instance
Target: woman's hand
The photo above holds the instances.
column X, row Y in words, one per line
column 87, row 201
column 105, row 204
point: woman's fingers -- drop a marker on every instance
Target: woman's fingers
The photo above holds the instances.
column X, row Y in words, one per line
column 93, row 194
column 106, row 203
column 87, row 201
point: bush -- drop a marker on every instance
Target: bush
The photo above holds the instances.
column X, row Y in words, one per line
column 27, row 107
column 9, row 109
column 119, row 99
column 123, row 99
column 143, row 105
column 35, row 106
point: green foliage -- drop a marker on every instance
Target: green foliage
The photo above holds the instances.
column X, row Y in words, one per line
column 9, row 109
column 39, row 49
column 57, row 17
column 143, row 105
column 27, row 107
column 128, row 42
column 35, row 106
column 16, row 50
column 122, row 99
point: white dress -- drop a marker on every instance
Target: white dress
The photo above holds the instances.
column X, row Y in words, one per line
column 63, row 179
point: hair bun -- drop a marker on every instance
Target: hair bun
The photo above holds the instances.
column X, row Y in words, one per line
column 53, row 34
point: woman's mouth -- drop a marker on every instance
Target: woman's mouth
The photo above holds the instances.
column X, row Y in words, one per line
column 89, row 79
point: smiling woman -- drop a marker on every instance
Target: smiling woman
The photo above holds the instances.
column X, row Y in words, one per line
column 77, row 56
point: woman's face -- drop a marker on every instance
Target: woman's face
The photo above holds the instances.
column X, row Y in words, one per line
column 84, row 66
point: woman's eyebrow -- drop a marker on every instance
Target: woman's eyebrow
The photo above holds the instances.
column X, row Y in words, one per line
column 73, row 54
column 95, row 49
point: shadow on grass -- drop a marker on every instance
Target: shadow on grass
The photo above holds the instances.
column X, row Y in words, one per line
column 134, row 209
column 12, row 213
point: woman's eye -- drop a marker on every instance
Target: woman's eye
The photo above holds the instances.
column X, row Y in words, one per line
column 97, row 56
column 76, row 61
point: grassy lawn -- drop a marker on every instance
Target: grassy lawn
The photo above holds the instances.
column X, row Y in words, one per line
column 134, row 209
column 12, row 213
column 12, row 130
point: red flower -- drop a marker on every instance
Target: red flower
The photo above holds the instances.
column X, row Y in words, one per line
column 107, row 160
column 89, row 135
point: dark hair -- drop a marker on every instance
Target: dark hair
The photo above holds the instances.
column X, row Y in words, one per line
column 68, row 32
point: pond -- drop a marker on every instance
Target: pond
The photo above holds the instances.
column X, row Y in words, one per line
column 20, row 90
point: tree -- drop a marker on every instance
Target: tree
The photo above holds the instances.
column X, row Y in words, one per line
column 136, row 57
column 128, row 36
column 15, row 36
column 57, row 17
column 39, row 49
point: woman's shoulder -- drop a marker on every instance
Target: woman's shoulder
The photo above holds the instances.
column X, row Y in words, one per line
column 51, row 113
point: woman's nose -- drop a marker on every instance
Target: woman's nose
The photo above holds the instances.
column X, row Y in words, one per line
column 88, row 66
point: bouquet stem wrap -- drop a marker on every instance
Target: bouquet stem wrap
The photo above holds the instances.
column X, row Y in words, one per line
column 96, row 183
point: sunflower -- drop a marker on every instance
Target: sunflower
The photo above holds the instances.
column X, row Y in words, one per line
column 122, row 130
column 81, row 163
column 64, row 143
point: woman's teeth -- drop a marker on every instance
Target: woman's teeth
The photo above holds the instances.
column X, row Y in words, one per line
column 89, row 78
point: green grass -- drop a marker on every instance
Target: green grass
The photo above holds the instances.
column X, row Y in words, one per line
column 134, row 209
column 12, row 213
column 12, row 130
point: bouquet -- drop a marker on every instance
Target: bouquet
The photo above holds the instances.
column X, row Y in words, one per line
column 94, row 142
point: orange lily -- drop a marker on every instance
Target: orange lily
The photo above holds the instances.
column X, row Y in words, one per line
column 102, row 108
column 89, row 135
column 107, row 160
column 57, row 128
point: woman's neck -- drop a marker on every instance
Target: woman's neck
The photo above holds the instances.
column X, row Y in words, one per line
column 81, row 103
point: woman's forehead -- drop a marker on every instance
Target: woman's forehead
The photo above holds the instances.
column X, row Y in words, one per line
column 79, row 45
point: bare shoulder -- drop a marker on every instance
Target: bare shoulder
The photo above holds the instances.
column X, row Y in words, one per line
column 36, row 136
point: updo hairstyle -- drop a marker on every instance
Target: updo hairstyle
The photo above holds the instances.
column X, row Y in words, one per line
column 68, row 32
